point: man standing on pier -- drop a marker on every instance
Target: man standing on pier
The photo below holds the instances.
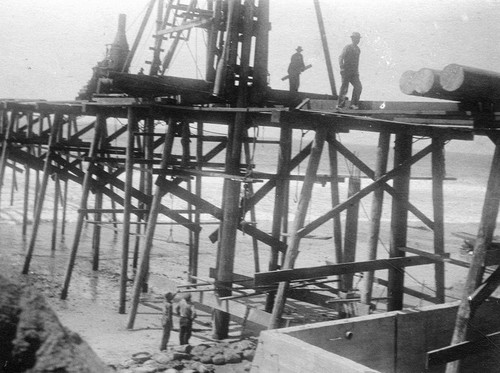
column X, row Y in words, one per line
column 295, row 68
column 349, row 71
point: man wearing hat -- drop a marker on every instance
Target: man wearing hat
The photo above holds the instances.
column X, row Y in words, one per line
column 349, row 71
column 295, row 67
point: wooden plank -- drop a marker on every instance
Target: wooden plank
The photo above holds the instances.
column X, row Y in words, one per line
column 237, row 309
column 268, row 278
column 461, row 350
column 485, row 289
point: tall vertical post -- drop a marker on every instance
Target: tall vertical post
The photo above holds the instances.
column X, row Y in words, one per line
column 261, row 58
column 326, row 50
column 399, row 220
column 484, row 238
column 298, row 223
column 27, row 177
column 351, row 229
column 100, row 123
column 5, row 148
column 127, row 206
column 334, row 191
column 438, row 173
column 57, row 188
column 376, row 214
column 41, row 194
column 156, row 62
column 231, row 210
column 147, row 243
column 198, row 192
column 284, row 156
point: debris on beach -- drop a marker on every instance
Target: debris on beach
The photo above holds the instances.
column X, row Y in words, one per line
column 202, row 358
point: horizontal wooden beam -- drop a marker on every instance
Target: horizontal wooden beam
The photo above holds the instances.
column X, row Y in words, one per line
column 461, row 350
column 267, row 278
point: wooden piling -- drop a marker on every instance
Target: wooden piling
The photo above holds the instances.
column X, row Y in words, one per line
column 27, row 172
column 57, row 188
column 484, row 238
column 335, row 197
column 438, row 174
column 127, row 207
column 376, row 214
column 399, row 220
column 100, row 123
column 298, row 223
column 41, row 194
column 147, row 243
column 351, row 230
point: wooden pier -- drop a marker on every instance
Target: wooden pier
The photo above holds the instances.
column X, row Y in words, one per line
column 162, row 147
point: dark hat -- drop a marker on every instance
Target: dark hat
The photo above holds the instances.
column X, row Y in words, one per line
column 356, row 35
column 299, row 49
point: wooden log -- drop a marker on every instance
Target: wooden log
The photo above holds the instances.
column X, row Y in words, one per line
column 425, row 83
column 471, row 84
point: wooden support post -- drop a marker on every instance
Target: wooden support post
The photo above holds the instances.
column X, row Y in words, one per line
column 376, row 214
column 41, row 194
column 57, row 187
column 27, row 178
column 351, row 229
column 335, row 197
column 141, row 205
column 87, row 180
column 326, row 50
column 483, row 241
column 147, row 243
column 261, row 58
column 438, row 174
column 399, row 220
column 253, row 217
column 280, row 194
column 198, row 192
column 13, row 185
column 298, row 223
column 96, row 234
column 5, row 148
column 72, row 120
column 127, row 206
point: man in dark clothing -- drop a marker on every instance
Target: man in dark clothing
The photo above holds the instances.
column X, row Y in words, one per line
column 185, row 310
column 166, row 320
column 349, row 71
column 295, row 67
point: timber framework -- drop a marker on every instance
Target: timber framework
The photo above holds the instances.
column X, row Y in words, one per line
column 133, row 167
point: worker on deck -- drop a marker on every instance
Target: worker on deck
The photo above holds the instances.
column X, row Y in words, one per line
column 185, row 310
column 349, row 71
column 295, row 68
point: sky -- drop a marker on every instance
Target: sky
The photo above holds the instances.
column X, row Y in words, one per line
column 48, row 48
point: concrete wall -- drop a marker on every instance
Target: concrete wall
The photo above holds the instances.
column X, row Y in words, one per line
column 393, row 342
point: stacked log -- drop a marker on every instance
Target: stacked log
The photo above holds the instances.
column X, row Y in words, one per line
column 425, row 83
column 471, row 84
column 454, row 82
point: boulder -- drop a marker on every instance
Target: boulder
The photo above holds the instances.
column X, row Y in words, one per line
column 219, row 359
column 231, row 356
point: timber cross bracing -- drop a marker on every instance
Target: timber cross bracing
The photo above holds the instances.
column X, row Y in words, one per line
column 75, row 142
